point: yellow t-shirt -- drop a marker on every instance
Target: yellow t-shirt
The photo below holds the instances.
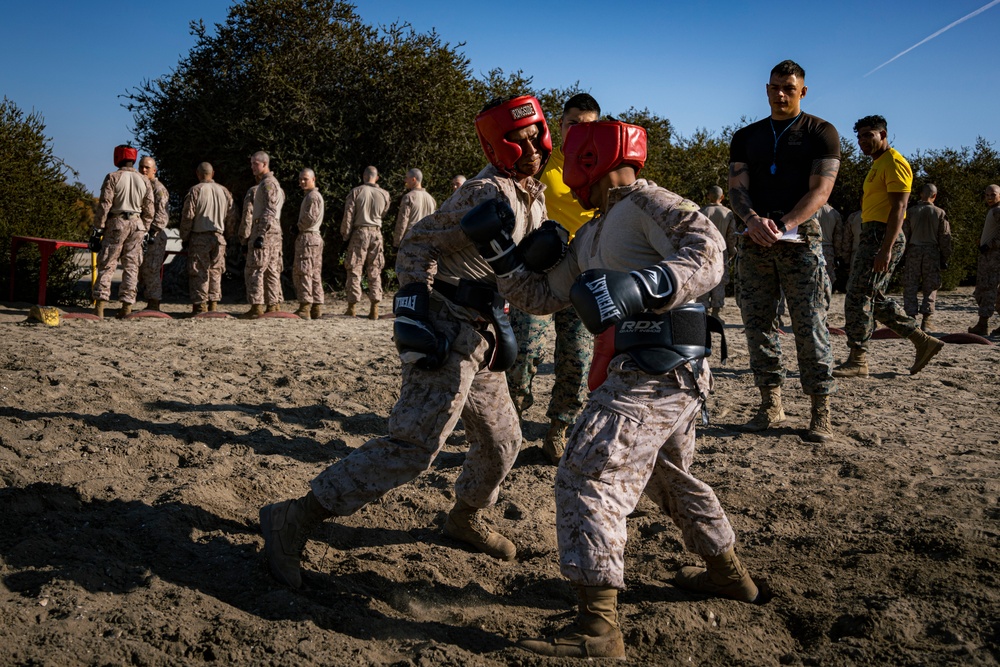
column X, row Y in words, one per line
column 559, row 201
column 889, row 173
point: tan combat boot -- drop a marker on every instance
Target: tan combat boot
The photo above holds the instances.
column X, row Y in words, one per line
column 856, row 365
column 465, row 525
column 981, row 326
column 99, row 308
column 286, row 527
column 316, row 312
column 152, row 304
column 197, row 308
column 373, row 311
column 124, row 311
column 770, row 412
column 213, row 306
column 256, row 310
column 723, row 575
column 352, row 310
column 926, row 347
column 926, row 322
column 594, row 633
column 555, row 441
column 273, row 308
column 303, row 311
column 819, row 427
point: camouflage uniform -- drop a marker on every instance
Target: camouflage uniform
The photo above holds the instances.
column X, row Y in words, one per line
column 264, row 265
column 574, row 344
column 636, row 434
column 307, row 271
column 362, row 229
column 831, row 226
column 151, row 271
column 725, row 222
column 572, row 356
column 849, row 240
column 928, row 237
column 799, row 271
column 987, row 294
column 207, row 208
column 414, row 206
column 788, row 275
column 124, row 212
column 866, row 300
column 431, row 402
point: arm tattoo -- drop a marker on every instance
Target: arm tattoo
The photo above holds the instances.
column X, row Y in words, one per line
column 739, row 197
column 827, row 168
column 738, row 169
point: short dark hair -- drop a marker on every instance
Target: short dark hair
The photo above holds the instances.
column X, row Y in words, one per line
column 788, row 68
column 583, row 102
column 874, row 122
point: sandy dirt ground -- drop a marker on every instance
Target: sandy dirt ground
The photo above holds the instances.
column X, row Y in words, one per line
column 134, row 456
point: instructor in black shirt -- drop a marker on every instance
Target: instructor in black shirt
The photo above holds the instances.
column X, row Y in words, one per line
column 781, row 171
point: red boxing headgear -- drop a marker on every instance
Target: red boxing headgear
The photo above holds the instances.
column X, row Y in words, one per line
column 125, row 154
column 493, row 125
column 594, row 149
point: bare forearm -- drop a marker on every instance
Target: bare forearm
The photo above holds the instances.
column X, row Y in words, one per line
column 739, row 190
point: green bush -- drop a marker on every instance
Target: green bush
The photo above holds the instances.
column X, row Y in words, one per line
column 36, row 200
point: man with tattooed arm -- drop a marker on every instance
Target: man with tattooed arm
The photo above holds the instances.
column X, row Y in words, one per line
column 781, row 171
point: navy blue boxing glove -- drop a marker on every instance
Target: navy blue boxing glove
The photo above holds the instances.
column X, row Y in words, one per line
column 490, row 226
column 94, row 242
column 412, row 331
column 602, row 297
column 543, row 249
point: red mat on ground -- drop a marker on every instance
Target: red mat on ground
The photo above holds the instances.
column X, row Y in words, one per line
column 884, row 334
column 964, row 339
column 149, row 313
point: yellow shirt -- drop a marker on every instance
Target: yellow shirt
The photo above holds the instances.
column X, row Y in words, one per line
column 559, row 201
column 889, row 173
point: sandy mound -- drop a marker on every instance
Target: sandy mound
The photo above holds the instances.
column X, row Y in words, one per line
column 134, row 457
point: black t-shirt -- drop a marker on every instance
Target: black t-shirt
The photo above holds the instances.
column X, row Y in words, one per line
column 804, row 140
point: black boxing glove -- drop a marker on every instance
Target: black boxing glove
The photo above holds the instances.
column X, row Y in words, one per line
column 490, row 226
column 94, row 242
column 416, row 339
column 543, row 249
column 258, row 243
column 602, row 297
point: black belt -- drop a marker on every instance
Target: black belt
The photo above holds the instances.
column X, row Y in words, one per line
column 485, row 300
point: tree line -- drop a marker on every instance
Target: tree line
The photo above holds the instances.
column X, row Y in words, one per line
column 313, row 85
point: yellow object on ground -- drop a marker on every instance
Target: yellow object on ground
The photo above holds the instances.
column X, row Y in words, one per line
column 44, row 314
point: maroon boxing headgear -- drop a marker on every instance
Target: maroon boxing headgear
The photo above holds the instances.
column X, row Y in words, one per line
column 594, row 149
column 125, row 153
column 493, row 124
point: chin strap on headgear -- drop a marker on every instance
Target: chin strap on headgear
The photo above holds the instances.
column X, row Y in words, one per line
column 493, row 125
column 593, row 150
column 125, row 153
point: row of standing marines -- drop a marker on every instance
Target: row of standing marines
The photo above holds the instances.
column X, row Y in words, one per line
column 629, row 275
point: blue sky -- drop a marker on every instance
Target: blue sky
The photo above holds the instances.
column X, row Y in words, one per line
column 700, row 64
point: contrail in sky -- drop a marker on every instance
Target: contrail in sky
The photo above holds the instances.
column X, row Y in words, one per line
column 944, row 29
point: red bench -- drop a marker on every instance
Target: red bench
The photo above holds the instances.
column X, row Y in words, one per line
column 46, row 247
